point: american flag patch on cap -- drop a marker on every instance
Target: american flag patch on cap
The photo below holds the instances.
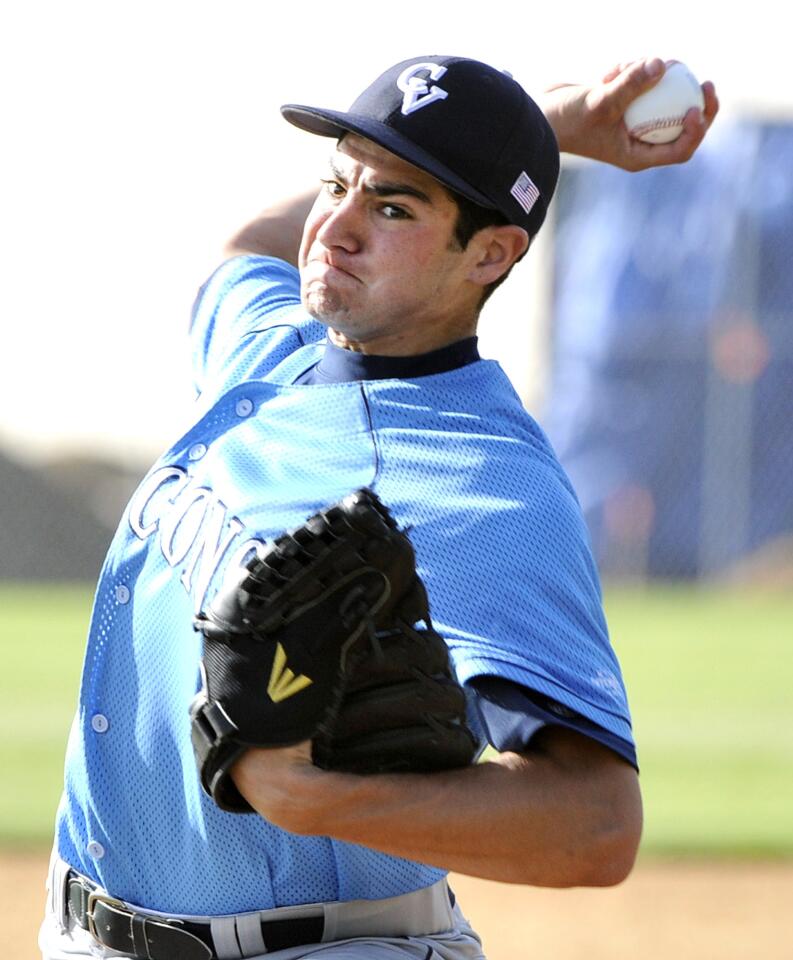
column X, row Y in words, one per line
column 524, row 191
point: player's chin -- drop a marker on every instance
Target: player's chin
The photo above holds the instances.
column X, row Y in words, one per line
column 323, row 303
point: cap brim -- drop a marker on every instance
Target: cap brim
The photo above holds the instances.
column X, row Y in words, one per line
column 334, row 123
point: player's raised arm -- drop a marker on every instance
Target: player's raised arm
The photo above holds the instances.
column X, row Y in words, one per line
column 276, row 231
column 588, row 119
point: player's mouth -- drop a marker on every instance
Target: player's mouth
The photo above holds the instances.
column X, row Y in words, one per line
column 323, row 268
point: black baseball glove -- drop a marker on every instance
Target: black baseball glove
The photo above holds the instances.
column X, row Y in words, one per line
column 328, row 637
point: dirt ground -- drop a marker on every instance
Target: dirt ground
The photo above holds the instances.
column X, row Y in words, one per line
column 663, row 912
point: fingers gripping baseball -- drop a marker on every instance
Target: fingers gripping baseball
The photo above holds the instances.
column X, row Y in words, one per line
column 318, row 639
column 622, row 85
column 588, row 120
column 667, row 119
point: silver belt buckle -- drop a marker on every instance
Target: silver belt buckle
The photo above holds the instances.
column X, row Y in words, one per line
column 168, row 923
column 95, row 897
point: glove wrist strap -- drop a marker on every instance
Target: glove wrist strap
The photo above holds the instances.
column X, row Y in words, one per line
column 216, row 749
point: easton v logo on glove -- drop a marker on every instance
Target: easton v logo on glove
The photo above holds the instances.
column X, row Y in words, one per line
column 283, row 683
column 333, row 611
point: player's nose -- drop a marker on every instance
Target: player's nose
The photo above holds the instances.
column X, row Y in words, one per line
column 342, row 226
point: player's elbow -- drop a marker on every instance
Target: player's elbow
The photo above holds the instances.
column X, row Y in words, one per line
column 604, row 821
column 613, row 843
column 598, row 813
column 588, row 856
column 613, row 860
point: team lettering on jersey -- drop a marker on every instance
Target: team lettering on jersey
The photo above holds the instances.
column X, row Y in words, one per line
column 193, row 527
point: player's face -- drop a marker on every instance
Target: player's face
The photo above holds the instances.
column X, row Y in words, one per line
column 378, row 261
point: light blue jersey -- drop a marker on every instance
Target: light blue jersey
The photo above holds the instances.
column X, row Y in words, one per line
column 500, row 544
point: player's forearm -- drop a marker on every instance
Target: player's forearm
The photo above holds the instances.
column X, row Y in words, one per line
column 521, row 819
column 276, row 232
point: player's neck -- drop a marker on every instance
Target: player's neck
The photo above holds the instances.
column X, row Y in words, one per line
column 401, row 344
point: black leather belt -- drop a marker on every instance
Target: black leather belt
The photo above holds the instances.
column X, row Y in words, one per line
column 114, row 925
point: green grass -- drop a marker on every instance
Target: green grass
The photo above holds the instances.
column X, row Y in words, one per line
column 42, row 634
column 710, row 680
column 709, row 673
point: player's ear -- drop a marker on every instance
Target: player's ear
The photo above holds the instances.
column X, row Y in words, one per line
column 497, row 248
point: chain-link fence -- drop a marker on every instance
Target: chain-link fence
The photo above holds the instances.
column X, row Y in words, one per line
column 671, row 394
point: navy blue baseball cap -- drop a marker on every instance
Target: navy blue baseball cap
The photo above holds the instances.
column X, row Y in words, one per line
column 470, row 126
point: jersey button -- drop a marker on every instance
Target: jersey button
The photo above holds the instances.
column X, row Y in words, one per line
column 95, row 850
column 244, row 407
column 100, row 723
column 122, row 593
column 196, row 451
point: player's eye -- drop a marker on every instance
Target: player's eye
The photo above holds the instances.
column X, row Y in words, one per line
column 333, row 188
column 392, row 212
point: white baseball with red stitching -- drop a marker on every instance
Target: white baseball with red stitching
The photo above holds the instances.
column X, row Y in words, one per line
column 657, row 115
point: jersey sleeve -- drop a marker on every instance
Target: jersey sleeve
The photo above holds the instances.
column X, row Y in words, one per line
column 500, row 539
column 247, row 318
column 529, row 611
column 509, row 716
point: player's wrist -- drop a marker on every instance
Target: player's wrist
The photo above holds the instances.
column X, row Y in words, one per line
column 282, row 785
column 562, row 105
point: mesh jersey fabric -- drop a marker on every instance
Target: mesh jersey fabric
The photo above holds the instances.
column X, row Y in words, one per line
column 499, row 540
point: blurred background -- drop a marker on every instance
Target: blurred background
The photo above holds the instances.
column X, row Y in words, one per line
column 649, row 332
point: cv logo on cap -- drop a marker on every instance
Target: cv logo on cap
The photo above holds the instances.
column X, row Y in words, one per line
column 417, row 92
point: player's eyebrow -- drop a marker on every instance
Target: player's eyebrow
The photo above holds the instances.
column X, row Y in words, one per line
column 385, row 188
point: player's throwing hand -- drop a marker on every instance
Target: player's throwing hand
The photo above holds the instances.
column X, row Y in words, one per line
column 588, row 120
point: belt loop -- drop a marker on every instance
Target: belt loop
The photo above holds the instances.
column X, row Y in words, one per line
column 137, row 930
column 249, row 934
column 224, row 937
column 58, row 890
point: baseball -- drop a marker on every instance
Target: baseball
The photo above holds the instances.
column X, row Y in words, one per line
column 657, row 115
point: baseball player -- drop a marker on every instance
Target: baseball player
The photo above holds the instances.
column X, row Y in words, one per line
column 335, row 351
